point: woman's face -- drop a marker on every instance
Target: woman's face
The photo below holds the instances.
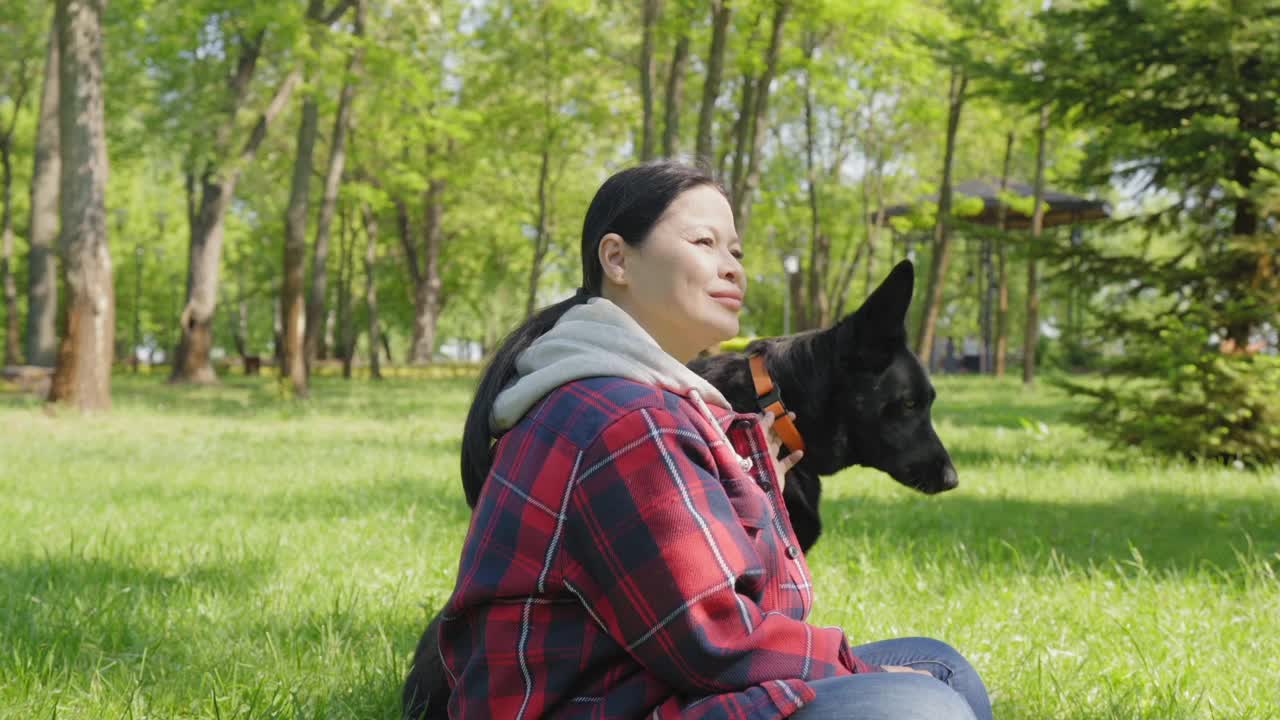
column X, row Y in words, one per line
column 685, row 284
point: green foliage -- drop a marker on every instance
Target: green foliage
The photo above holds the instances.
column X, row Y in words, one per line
column 1191, row 399
column 1185, row 96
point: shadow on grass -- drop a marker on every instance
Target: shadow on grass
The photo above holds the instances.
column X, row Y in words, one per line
column 1141, row 531
column 237, row 396
column 75, row 615
column 1047, row 456
column 387, row 496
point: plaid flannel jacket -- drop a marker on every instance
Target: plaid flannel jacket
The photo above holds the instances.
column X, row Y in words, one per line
column 621, row 562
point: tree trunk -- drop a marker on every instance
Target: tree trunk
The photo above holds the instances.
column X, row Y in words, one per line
column 741, row 139
column 648, row 131
column 426, row 296
column 316, row 306
column 876, row 225
column 541, row 240
column 191, row 358
column 292, row 304
column 796, row 291
column 82, row 377
column 346, row 323
column 942, row 228
column 325, row 345
column 12, row 332
column 217, row 187
column 42, row 267
column 297, row 352
column 13, row 335
column 818, row 306
column 760, row 119
column 721, row 14
column 844, row 279
column 675, row 96
column 1032, row 336
column 240, row 334
column 1001, row 284
column 371, row 290
column 1249, row 268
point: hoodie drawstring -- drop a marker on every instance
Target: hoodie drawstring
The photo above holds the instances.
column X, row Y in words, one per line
column 743, row 462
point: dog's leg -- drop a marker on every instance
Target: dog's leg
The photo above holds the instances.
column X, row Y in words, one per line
column 426, row 690
column 801, row 496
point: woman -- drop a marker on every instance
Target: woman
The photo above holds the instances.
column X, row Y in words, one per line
column 628, row 554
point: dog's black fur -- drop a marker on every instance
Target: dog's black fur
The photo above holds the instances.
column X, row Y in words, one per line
column 861, row 398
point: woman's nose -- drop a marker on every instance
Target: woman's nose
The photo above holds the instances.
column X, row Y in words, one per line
column 733, row 271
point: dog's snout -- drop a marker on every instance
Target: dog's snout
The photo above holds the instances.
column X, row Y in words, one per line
column 950, row 479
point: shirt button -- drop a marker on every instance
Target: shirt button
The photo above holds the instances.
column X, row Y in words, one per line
column 746, row 464
column 793, row 552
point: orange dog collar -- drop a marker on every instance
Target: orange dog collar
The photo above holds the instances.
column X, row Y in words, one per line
column 769, row 398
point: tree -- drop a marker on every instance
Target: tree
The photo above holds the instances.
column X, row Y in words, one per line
column 648, row 127
column 1196, row 129
column 42, row 231
column 941, row 257
column 213, row 173
column 19, row 81
column 292, row 304
column 371, row 290
column 721, row 16
column 1031, row 336
column 1001, row 285
column 83, row 374
column 675, row 91
column 747, row 164
column 333, row 179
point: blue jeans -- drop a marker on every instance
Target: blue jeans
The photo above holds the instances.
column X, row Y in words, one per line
column 903, row 696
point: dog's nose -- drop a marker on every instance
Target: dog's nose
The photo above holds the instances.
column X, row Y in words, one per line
column 949, row 478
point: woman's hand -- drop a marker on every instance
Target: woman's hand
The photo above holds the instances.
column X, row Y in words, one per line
column 780, row 467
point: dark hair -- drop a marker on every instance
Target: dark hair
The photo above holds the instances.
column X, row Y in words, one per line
column 629, row 203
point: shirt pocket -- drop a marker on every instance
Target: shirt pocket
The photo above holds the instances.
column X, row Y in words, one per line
column 749, row 504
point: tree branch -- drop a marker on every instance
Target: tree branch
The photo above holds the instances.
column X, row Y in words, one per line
column 336, row 14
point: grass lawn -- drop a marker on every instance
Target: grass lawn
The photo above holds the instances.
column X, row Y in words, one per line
column 218, row 553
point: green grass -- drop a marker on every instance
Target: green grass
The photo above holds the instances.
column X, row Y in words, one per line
column 219, row 553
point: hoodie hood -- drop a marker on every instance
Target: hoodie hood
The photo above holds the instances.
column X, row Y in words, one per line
column 596, row 339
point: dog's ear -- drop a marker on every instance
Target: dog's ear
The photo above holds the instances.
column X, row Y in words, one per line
column 886, row 308
column 871, row 334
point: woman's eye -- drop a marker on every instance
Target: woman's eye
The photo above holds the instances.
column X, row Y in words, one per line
column 737, row 255
column 706, row 241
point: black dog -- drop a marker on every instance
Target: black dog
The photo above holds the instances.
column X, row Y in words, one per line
column 861, row 398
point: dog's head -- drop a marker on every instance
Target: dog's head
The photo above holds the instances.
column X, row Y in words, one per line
column 878, row 414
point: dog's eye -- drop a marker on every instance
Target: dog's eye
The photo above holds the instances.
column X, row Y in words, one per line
column 908, row 404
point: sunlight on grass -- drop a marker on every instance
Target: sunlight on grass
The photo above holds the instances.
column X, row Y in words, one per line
column 217, row 553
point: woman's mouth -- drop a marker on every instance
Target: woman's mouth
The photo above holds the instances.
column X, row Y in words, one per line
column 733, row 301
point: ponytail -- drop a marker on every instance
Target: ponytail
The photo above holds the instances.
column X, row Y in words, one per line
column 477, row 436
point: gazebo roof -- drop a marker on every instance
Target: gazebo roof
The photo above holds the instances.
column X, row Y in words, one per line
column 1063, row 209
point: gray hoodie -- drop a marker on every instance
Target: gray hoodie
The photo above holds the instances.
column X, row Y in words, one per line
column 599, row 339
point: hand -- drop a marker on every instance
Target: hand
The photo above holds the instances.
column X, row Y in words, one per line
column 902, row 669
column 780, row 467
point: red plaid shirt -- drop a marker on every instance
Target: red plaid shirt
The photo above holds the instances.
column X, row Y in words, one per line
column 621, row 562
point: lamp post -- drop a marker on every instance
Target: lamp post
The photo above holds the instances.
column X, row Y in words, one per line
column 791, row 265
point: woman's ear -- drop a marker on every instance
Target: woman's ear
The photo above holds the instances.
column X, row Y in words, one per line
column 613, row 258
